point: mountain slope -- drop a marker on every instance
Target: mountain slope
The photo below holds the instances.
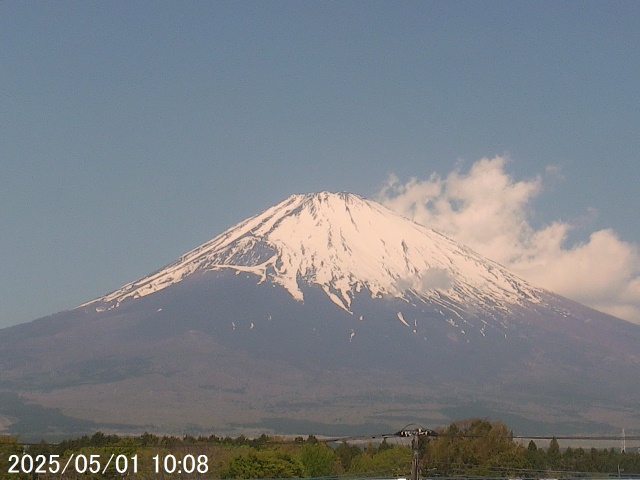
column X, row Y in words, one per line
column 325, row 308
column 345, row 244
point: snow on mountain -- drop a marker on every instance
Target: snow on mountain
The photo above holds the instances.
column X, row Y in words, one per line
column 344, row 244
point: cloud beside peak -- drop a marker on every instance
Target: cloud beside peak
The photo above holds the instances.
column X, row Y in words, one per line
column 489, row 211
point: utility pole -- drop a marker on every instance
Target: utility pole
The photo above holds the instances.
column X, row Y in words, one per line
column 415, row 461
column 416, row 433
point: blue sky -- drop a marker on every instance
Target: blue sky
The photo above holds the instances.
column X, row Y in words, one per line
column 133, row 131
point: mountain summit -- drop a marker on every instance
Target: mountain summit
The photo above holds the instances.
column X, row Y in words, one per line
column 326, row 313
column 345, row 245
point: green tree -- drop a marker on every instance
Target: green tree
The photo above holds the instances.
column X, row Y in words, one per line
column 553, row 454
column 392, row 461
column 319, row 460
column 264, row 464
column 10, row 446
column 534, row 457
column 475, row 447
column 346, row 453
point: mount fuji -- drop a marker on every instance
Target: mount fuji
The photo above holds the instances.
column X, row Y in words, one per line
column 326, row 313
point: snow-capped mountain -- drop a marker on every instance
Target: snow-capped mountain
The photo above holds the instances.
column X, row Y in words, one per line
column 324, row 310
column 345, row 245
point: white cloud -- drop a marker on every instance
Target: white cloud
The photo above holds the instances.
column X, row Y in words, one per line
column 486, row 209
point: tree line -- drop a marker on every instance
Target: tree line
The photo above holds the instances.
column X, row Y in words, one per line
column 473, row 447
column 477, row 447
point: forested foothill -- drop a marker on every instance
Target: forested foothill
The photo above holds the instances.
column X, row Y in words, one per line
column 467, row 448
